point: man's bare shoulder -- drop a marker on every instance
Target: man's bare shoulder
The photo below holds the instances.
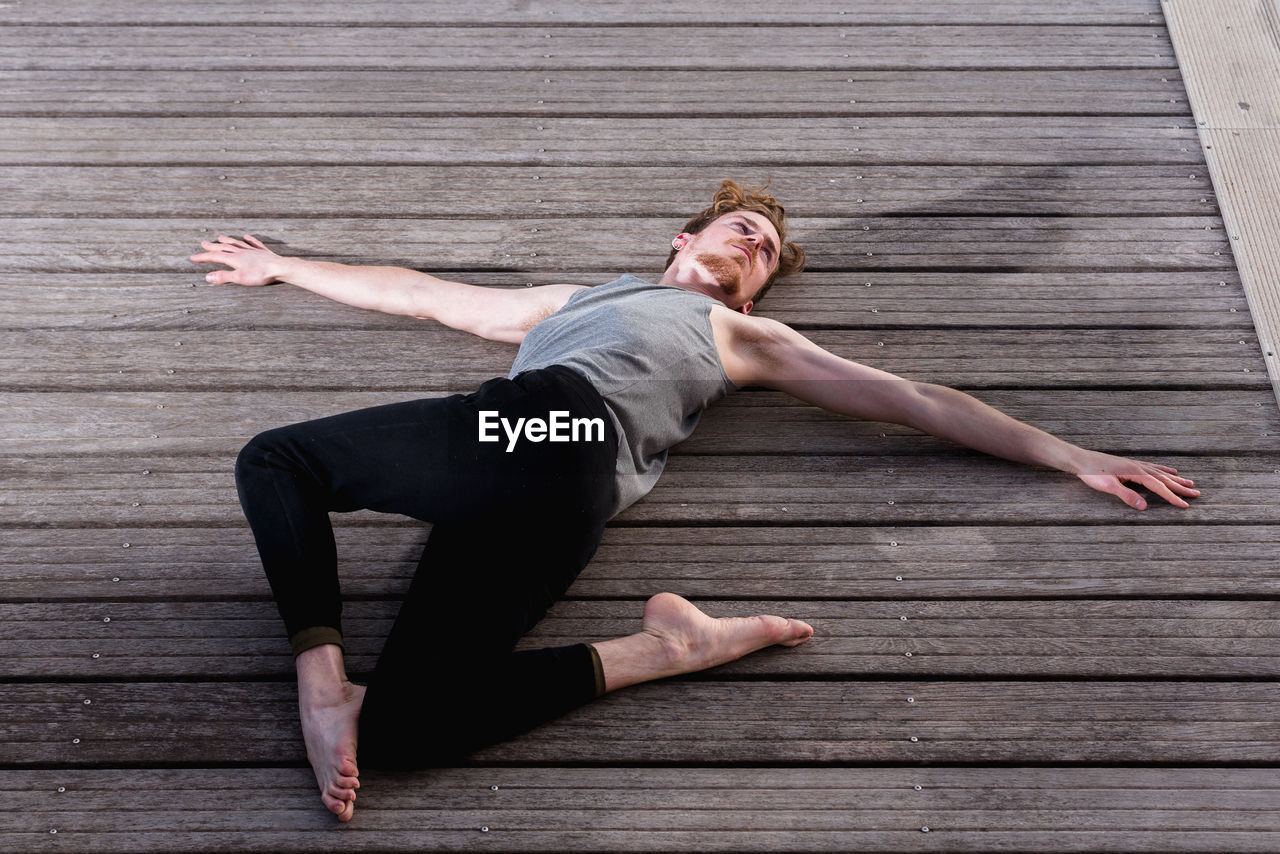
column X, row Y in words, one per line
column 746, row 328
column 751, row 348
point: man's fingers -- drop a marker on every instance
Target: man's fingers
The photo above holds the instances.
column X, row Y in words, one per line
column 1128, row 496
column 249, row 238
column 1159, row 487
column 211, row 257
column 1115, row 486
column 1179, row 485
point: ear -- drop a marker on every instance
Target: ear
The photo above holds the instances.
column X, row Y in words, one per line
column 682, row 239
column 746, row 309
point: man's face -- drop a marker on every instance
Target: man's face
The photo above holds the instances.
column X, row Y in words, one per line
column 732, row 257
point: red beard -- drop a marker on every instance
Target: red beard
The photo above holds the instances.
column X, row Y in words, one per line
column 726, row 273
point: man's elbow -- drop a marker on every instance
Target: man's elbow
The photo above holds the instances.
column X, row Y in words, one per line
column 924, row 405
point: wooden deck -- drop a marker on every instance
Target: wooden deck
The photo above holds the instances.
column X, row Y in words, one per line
column 1009, row 197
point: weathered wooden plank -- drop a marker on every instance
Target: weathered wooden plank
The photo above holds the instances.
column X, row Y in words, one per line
column 670, row 191
column 139, row 423
column 1080, row 638
column 696, row 809
column 1076, row 298
column 714, row 839
column 946, row 488
column 577, row 12
column 553, row 46
column 1011, row 244
column 670, row 822
column 717, row 12
column 1108, row 791
column 434, row 358
column 1150, row 809
column 550, row 141
column 1232, row 53
column 616, row 92
column 718, row 723
column 90, row 564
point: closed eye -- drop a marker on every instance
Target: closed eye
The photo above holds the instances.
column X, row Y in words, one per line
column 764, row 247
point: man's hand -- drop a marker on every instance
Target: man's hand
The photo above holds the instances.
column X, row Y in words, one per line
column 1106, row 473
column 251, row 262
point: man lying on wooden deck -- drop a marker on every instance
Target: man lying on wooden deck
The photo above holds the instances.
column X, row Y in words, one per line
column 520, row 477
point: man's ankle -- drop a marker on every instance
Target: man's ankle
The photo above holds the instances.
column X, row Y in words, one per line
column 321, row 672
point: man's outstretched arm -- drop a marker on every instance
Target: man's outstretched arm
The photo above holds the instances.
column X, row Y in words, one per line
column 767, row 353
column 499, row 314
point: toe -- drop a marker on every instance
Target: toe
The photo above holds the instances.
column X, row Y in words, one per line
column 340, row 793
column 797, row 633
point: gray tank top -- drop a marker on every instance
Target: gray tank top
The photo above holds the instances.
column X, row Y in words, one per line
column 649, row 351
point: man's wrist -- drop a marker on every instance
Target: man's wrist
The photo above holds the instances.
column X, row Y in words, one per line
column 286, row 269
column 1071, row 458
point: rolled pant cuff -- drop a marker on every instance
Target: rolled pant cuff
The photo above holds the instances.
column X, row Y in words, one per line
column 314, row 636
column 598, row 666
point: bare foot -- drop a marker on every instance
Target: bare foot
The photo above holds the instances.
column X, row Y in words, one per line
column 330, row 722
column 695, row 641
column 678, row 638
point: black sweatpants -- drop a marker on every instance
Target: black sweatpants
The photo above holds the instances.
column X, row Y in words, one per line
column 511, row 530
